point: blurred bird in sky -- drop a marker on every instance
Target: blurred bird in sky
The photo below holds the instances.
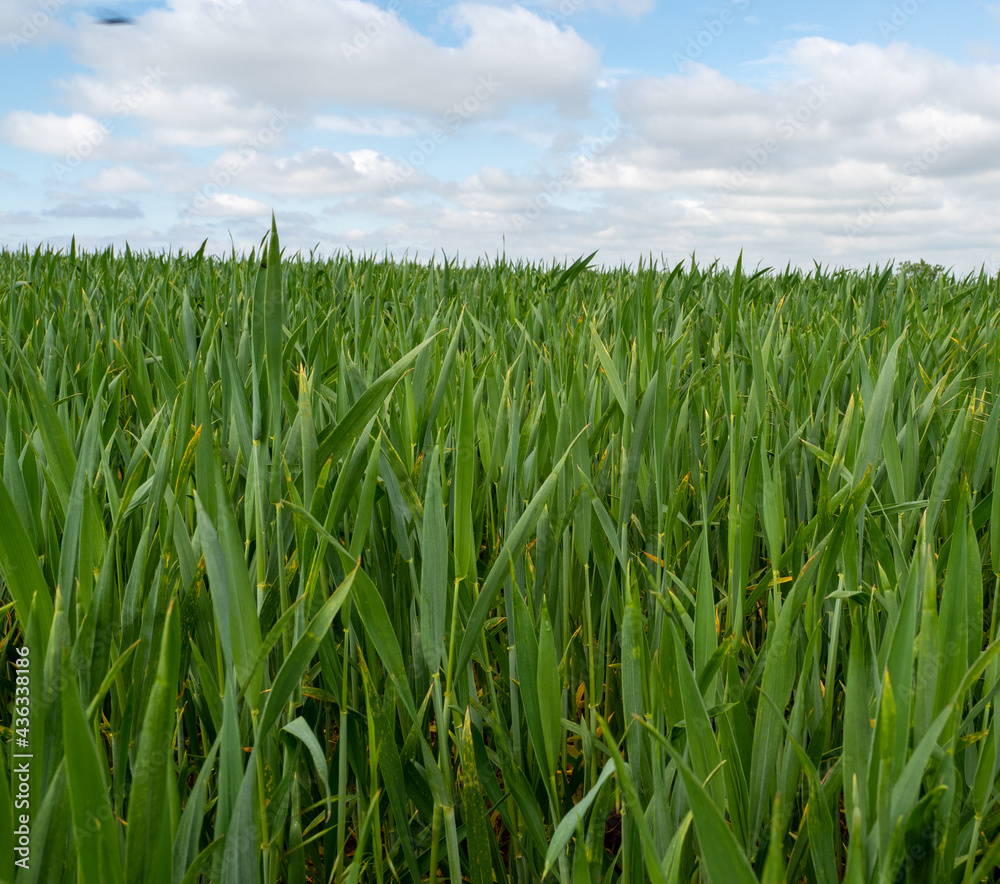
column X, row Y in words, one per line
column 113, row 18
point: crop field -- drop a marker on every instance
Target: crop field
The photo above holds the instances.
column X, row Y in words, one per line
column 354, row 570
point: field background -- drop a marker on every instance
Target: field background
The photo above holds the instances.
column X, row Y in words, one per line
column 353, row 570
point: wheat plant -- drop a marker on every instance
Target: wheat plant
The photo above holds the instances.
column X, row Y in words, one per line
column 354, row 570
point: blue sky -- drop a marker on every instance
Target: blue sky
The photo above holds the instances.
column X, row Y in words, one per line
column 849, row 134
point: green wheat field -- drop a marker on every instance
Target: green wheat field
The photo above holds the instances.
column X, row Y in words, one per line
column 354, row 570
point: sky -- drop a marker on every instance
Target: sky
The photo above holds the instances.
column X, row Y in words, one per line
column 844, row 134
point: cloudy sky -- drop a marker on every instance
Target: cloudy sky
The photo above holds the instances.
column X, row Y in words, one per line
column 845, row 133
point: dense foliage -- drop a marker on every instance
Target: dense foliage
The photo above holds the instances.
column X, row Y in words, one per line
column 354, row 570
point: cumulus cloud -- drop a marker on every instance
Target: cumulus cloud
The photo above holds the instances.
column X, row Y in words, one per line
column 227, row 61
column 380, row 127
column 25, row 23
column 856, row 154
column 75, row 139
column 311, row 174
column 840, row 158
column 124, row 209
column 327, row 112
column 117, row 179
column 49, row 133
column 227, row 205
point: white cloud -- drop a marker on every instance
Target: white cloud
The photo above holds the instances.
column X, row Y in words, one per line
column 226, row 205
column 76, row 139
column 380, row 127
column 49, row 133
column 893, row 142
column 859, row 154
column 25, row 23
column 217, row 67
column 88, row 209
column 117, row 179
column 313, row 174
